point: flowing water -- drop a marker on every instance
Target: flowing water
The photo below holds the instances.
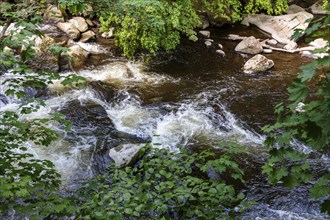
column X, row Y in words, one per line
column 192, row 97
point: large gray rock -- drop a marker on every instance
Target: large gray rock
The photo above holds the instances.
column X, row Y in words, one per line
column 126, row 154
column 318, row 9
column 80, row 23
column 70, row 29
column 257, row 64
column 53, row 15
column 249, row 45
column 281, row 28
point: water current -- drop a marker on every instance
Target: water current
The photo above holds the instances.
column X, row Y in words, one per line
column 191, row 97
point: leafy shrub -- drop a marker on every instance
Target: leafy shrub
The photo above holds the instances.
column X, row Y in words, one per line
column 165, row 185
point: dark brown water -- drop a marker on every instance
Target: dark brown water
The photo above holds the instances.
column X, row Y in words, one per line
column 251, row 97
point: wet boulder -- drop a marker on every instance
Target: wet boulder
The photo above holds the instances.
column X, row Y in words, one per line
column 70, row 29
column 127, row 154
column 80, row 23
column 249, row 45
column 257, row 64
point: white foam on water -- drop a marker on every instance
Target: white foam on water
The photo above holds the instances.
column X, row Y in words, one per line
column 289, row 215
column 184, row 124
column 68, row 157
column 124, row 74
column 130, row 117
column 93, row 48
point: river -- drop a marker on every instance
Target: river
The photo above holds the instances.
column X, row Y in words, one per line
column 191, row 97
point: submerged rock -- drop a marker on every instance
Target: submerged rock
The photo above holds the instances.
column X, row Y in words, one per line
column 126, row 154
column 257, row 64
column 249, row 45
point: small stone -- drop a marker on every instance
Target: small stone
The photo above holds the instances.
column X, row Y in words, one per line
column 220, row 46
column 87, row 36
column 267, row 51
column 206, row 34
column 211, row 40
column 208, row 43
column 193, row 38
column 221, row 52
column 108, row 34
column 291, row 46
column 272, row 42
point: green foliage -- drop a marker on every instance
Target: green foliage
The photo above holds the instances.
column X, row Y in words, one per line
column 75, row 7
column 27, row 185
column 149, row 25
column 306, row 119
column 271, row 7
column 165, row 185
